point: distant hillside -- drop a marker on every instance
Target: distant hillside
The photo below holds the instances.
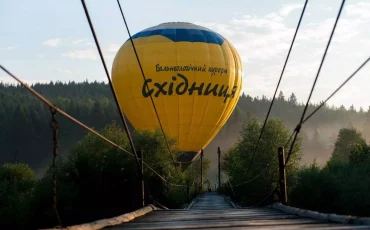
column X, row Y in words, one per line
column 25, row 134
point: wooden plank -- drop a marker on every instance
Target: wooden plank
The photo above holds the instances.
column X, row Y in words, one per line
column 211, row 200
column 209, row 218
column 252, row 224
column 212, row 211
column 286, row 227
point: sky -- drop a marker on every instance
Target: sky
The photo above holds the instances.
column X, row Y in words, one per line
column 44, row 40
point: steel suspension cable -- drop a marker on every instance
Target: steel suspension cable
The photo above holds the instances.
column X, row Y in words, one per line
column 266, row 166
column 48, row 103
column 143, row 75
column 110, row 84
column 151, row 98
column 345, row 82
column 298, row 128
column 277, row 87
column 331, row 95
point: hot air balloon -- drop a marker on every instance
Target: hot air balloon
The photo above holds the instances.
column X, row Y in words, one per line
column 193, row 74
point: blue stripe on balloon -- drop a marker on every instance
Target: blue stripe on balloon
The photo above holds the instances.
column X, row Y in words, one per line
column 184, row 35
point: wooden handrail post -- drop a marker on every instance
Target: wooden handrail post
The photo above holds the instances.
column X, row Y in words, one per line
column 141, row 174
column 188, row 192
column 282, row 176
column 219, row 167
column 201, row 169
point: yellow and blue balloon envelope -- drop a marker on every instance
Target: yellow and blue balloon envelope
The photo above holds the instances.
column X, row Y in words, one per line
column 194, row 77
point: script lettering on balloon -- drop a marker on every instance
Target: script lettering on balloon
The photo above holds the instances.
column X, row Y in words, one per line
column 166, row 88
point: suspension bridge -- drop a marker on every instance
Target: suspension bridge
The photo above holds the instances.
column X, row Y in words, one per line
column 210, row 209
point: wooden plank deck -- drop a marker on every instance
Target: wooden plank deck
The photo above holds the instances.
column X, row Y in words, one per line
column 212, row 211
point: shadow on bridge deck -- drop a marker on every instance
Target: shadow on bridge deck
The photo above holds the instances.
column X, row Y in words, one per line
column 212, row 211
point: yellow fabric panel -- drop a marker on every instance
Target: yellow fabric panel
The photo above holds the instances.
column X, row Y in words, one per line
column 237, row 81
column 190, row 116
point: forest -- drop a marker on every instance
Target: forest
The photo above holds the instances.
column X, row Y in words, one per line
column 340, row 186
column 26, row 137
column 329, row 162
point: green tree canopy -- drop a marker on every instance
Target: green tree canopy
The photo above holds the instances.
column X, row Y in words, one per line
column 16, row 184
column 98, row 180
column 360, row 154
column 339, row 187
column 347, row 140
column 265, row 163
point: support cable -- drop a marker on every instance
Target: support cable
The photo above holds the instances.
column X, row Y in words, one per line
column 142, row 73
column 267, row 165
column 298, row 128
column 111, row 85
column 345, row 82
column 49, row 104
column 311, row 114
column 327, row 99
column 269, row 194
column 277, row 87
column 258, row 175
column 151, row 98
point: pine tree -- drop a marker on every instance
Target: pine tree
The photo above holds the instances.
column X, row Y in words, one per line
column 366, row 127
column 293, row 99
column 347, row 140
column 305, row 140
column 281, row 96
column 316, row 142
column 352, row 108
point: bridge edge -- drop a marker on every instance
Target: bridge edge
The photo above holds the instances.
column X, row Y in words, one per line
column 192, row 202
column 331, row 217
column 100, row 224
column 228, row 199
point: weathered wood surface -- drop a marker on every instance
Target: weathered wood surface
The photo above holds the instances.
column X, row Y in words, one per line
column 212, row 211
